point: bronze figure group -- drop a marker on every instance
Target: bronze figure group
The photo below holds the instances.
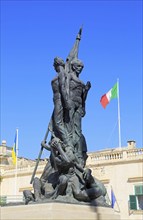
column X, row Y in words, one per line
column 65, row 177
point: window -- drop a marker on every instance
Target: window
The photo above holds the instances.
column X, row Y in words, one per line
column 3, row 200
column 136, row 201
column 139, row 190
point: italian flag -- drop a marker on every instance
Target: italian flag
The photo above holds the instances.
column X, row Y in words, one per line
column 111, row 94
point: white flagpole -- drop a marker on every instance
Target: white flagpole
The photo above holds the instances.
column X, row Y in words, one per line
column 119, row 126
column 16, row 162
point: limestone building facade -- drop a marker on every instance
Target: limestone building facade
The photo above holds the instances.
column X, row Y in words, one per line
column 120, row 169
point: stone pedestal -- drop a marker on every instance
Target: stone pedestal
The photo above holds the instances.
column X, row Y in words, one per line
column 57, row 211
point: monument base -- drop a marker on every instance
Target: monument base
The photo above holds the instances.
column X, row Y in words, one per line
column 57, row 211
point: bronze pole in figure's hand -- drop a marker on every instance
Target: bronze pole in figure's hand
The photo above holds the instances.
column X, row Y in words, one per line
column 39, row 156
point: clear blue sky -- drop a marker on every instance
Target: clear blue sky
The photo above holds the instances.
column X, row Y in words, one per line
column 34, row 32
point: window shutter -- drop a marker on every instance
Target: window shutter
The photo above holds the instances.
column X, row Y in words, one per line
column 139, row 190
column 133, row 203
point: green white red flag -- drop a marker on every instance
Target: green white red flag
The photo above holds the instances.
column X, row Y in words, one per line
column 111, row 94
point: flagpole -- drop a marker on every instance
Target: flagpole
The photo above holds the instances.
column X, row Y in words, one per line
column 16, row 162
column 119, row 126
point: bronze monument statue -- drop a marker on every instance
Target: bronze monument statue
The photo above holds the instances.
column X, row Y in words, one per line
column 65, row 177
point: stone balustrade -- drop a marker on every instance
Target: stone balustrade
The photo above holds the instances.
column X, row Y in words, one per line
column 27, row 169
column 135, row 153
column 99, row 157
column 115, row 155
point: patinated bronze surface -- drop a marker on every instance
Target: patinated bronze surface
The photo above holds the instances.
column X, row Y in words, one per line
column 65, row 177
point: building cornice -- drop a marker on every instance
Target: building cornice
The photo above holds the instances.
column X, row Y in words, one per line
column 135, row 179
column 20, row 174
